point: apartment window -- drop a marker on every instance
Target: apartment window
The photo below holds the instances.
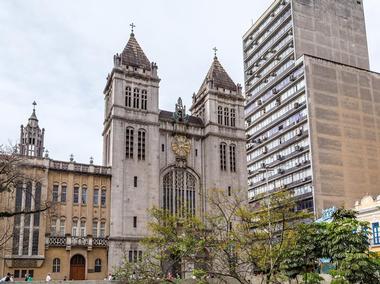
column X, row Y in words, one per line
column 98, row 265
column 102, row 233
column 220, row 115
column 76, row 195
column 128, row 97
column 75, row 228
column 134, row 221
column 53, row 227
column 141, row 145
column 63, row 193
column 84, row 195
column 16, row 273
column 56, row 265
column 226, row 116
column 82, row 228
column 129, row 143
column 95, row 229
column 103, row 198
column 375, row 233
column 223, row 164
column 233, row 117
column 55, row 193
column 96, row 197
column 136, row 98
column 62, row 228
column 232, row 158
column 135, row 181
column 144, row 99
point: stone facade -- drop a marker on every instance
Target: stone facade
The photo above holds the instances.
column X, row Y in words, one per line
column 75, row 226
column 156, row 154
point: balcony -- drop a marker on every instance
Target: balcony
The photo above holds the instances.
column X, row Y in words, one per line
column 75, row 241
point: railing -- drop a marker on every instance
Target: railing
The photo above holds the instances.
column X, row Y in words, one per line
column 57, row 241
column 80, row 167
column 75, row 241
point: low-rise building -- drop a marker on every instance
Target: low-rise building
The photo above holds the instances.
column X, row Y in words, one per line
column 368, row 209
column 70, row 238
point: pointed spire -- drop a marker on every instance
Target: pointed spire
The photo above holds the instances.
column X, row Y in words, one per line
column 133, row 55
column 218, row 76
column 33, row 116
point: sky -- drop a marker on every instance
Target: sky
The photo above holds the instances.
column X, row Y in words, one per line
column 58, row 53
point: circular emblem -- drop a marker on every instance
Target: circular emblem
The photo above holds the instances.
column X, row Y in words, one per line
column 181, row 146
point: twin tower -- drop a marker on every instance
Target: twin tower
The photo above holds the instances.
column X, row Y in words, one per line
column 167, row 158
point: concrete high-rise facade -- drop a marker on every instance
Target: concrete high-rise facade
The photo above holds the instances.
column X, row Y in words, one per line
column 311, row 104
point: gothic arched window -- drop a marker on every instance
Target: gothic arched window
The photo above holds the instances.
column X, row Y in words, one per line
column 141, row 144
column 129, row 143
column 223, row 156
column 136, row 98
column 128, row 97
column 144, row 100
column 233, row 117
column 226, row 116
column 179, row 192
column 84, row 194
column 232, row 158
column 220, row 115
column 98, row 265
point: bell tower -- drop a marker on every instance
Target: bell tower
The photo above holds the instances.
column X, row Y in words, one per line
column 32, row 137
column 130, row 147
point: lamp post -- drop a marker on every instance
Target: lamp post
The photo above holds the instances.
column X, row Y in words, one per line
column 266, row 170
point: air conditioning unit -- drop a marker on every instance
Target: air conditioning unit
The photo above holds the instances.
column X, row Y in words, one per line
column 265, row 150
column 265, row 138
column 274, row 91
column 305, row 162
column 290, row 33
column 299, row 132
column 298, row 165
column 278, row 101
column 262, row 179
column 263, row 165
column 283, row 2
column 266, row 80
column 296, row 105
column 256, row 64
column 250, row 73
column 292, row 77
column 290, row 45
column 297, row 148
column 259, row 102
column 280, row 171
column 258, row 141
column 247, row 136
column 273, row 74
column 250, row 172
column 279, row 157
column 250, row 183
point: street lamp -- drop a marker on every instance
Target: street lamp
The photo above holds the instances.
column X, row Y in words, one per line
column 266, row 170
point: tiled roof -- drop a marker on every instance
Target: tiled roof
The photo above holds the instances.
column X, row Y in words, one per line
column 219, row 77
column 134, row 56
column 168, row 115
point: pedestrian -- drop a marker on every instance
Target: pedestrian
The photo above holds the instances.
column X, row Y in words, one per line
column 48, row 277
column 6, row 278
column 26, row 276
column 12, row 278
column 30, row 278
column 65, row 278
column 109, row 277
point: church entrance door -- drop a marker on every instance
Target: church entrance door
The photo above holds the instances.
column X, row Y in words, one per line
column 77, row 267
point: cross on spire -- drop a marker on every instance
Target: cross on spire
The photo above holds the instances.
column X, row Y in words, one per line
column 34, row 105
column 132, row 27
column 215, row 50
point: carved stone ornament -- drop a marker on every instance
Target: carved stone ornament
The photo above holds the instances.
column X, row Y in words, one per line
column 181, row 146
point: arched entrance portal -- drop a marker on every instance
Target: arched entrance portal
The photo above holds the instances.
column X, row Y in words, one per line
column 77, row 267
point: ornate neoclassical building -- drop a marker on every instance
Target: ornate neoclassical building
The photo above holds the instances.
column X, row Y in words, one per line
column 166, row 158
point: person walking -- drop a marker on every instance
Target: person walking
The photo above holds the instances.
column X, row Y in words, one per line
column 48, row 277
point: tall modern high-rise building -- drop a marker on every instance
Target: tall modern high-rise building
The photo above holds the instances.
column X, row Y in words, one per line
column 312, row 105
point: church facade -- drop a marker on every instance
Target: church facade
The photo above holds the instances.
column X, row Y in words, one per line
column 166, row 158
column 151, row 158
